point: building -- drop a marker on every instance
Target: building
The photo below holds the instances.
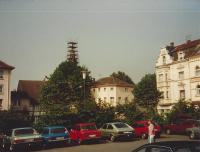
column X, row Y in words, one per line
column 178, row 74
column 5, row 79
column 112, row 90
column 26, row 97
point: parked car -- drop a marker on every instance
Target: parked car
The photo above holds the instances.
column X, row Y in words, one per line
column 115, row 130
column 85, row 132
column 170, row 146
column 141, row 129
column 55, row 134
column 21, row 138
column 194, row 132
column 179, row 126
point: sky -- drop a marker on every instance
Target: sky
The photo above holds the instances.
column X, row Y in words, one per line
column 112, row 35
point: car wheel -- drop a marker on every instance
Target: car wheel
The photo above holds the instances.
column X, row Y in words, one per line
column 168, row 131
column 192, row 135
column 144, row 136
column 11, row 148
column 112, row 138
column 79, row 141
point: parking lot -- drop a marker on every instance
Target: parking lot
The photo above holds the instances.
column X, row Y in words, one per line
column 107, row 146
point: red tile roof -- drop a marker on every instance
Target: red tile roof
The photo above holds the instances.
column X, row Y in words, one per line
column 3, row 65
column 32, row 88
column 111, row 81
column 189, row 44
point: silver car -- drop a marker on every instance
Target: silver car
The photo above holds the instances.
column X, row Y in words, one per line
column 194, row 132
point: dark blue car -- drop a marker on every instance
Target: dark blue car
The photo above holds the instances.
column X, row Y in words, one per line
column 55, row 134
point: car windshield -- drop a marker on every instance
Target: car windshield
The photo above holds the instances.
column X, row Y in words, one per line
column 58, row 130
column 89, row 127
column 23, row 132
column 121, row 125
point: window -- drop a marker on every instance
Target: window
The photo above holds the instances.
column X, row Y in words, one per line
column 110, row 127
column 111, row 89
column 162, row 95
column 104, row 89
column 182, row 94
column 166, row 77
column 180, row 56
column 160, row 77
column 126, row 89
column 1, row 74
column 104, row 98
column 126, row 99
column 159, row 149
column 198, row 90
column 181, row 75
column 197, row 71
column 1, row 102
column 164, row 60
column 93, row 90
column 111, row 100
column 167, row 94
column 99, row 89
column 1, row 89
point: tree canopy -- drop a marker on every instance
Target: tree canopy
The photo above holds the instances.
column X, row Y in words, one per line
column 146, row 93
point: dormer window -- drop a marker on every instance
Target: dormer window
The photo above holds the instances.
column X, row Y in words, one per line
column 164, row 60
column 197, row 71
column 180, row 56
column 1, row 74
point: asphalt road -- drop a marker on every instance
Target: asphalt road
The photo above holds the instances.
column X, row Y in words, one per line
column 106, row 146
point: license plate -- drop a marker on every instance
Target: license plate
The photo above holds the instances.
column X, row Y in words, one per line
column 92, row 136
column 127, row 132
column 60, row 138
column 29, row 140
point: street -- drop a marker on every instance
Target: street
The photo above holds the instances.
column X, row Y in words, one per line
column 118, row 146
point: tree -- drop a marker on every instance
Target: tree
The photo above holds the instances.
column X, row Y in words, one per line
column 122, row 76
column 146, row 93
column 62, row 93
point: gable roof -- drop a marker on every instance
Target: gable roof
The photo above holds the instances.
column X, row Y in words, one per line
column 31, row 88
column 111, row 81
column 3, row 65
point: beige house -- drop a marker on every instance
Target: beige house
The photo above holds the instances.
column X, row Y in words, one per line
column 26, row 97
column 5, row 79
column 112, row 91
column 178, row 74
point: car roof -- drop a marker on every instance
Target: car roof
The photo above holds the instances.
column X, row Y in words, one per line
column 114, row 122
column 23, row 128
column 53, row 127
column 174, row 144
column 85, row 124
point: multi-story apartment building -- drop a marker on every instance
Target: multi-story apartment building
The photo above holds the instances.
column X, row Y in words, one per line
column 112, row 91
column 5, row 78
column 178, row 74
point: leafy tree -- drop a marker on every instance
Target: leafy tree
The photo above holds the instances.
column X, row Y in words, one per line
column 62, row 95
column 128, row 112
column 146, row 93
column 122, row 76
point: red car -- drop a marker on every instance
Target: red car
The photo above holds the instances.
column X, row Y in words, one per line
column 84, row 132
column 179, row 126
column 141, row 129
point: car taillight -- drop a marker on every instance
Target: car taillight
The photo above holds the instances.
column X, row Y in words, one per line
column 17, row 141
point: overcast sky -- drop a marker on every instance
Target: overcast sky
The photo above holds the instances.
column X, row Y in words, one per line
column 112, row 35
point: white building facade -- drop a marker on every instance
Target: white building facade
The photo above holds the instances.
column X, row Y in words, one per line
column 112, row 91
column 178, row 74
column 5, row 79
